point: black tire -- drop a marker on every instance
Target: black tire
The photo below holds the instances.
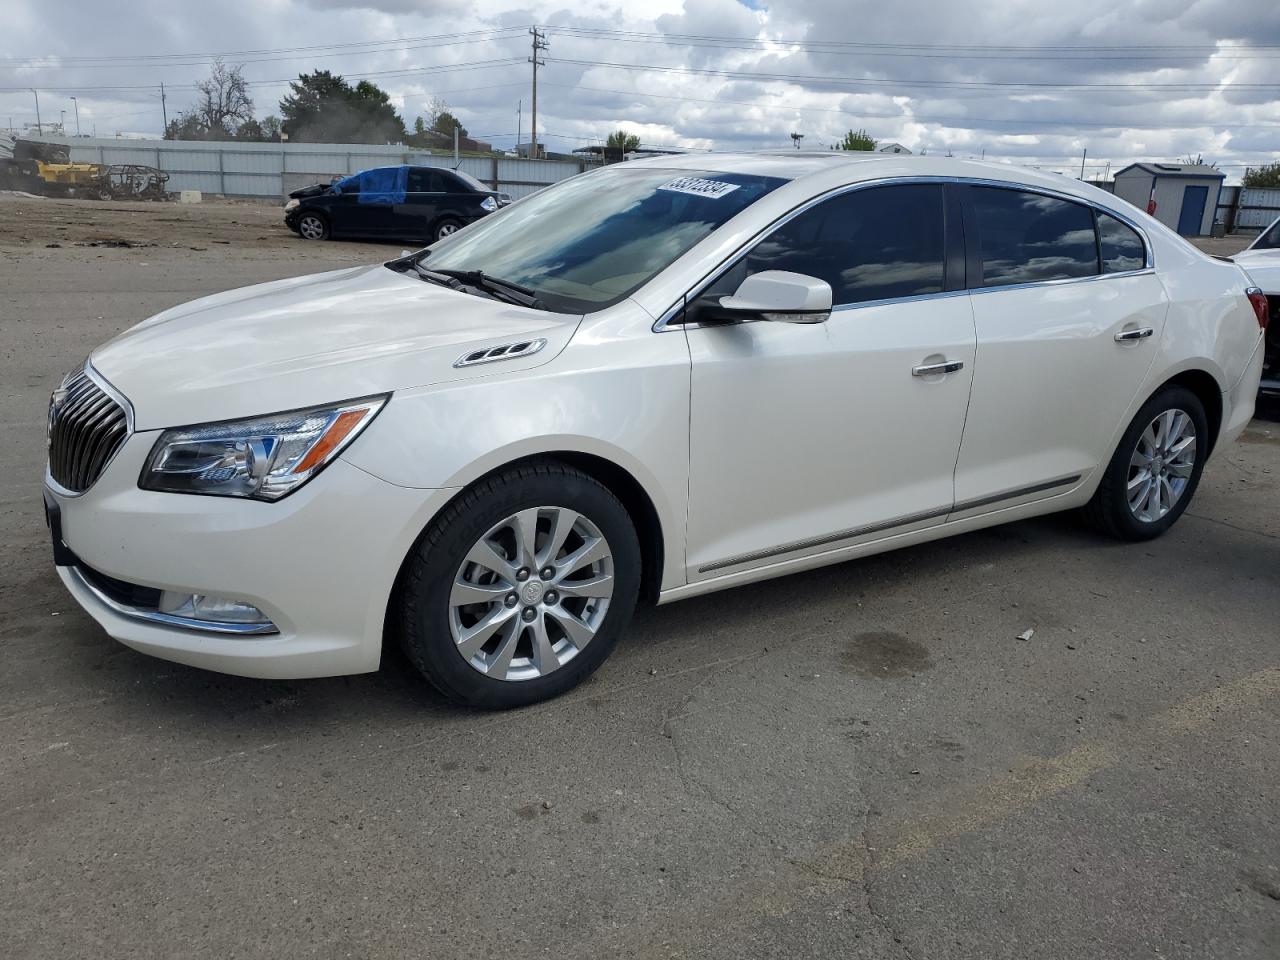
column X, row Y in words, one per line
column 313, row 226
column 423, row 615
column 1109, row 510
column 444, row 227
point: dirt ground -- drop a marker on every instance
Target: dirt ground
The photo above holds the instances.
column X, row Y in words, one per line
column 863, row 761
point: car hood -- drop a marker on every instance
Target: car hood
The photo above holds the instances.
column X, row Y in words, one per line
column 314, row 190
column 311, row 340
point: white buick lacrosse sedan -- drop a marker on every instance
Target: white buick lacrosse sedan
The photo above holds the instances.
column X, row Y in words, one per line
column 656, row 380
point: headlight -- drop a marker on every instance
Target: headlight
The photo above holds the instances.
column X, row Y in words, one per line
column 295, row 202
column 489, row 204
column 264, row 458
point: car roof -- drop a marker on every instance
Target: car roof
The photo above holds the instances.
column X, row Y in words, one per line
column 856, row 165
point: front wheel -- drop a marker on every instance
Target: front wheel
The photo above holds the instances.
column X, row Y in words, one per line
column 521, row 588
column 312, row 226
column 1156, row 468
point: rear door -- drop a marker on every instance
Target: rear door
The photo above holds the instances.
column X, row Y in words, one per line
column 1068, row 319
column 423, row 195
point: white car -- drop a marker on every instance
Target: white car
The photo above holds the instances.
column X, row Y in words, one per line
column 1261, row 261
column 652, row 381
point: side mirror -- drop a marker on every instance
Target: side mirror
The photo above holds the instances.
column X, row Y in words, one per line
column 777, row 295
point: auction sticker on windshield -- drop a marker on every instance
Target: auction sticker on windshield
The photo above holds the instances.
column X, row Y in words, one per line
column 699, row 187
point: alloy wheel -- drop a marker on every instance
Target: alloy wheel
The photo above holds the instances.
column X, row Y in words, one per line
column 311, row 228
column 1161, row 465
column 446, row 230
column 531, row 593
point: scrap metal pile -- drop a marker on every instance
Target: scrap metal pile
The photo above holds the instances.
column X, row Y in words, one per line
column 46, row 169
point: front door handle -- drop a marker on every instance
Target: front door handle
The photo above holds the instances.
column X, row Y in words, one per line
column 933, row 369
column 1140, row 333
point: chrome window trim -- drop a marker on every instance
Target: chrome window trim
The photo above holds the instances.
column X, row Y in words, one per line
column 159, row 619
column 664, row 324
column 105, row 386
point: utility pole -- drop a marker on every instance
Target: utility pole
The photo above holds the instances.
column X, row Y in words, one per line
column 77, row 103
column 1082, row 159
column 164, row 113
column 519, row 122
column 39, row 128
column 539, row 43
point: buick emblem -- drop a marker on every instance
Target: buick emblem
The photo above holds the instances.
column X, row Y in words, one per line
column 532, row 592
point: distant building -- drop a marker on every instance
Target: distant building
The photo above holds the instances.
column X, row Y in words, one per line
column 1183, row 196
column 891, row 148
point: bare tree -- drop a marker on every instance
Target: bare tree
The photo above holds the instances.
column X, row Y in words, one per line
column 224, row 102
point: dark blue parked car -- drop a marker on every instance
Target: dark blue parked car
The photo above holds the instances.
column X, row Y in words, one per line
column 413, row 204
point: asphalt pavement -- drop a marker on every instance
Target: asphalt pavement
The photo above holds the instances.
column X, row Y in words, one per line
column 863, row 761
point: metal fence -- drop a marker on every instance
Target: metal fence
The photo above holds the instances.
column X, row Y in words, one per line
column 273, row 169
column 1257, row 208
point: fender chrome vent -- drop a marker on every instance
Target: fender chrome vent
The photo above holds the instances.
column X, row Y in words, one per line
column 504, row 351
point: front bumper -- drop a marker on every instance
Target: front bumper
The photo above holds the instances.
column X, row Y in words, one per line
column 320, row 564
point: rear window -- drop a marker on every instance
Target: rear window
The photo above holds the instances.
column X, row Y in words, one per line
column 1121, row 246
column 1028, row 237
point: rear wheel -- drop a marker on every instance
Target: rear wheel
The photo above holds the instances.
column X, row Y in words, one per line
column 1156, row 468
column 521, row 588
column 446, row 228
column 312, row 226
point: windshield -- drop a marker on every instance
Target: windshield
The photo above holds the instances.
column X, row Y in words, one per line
column 592, row 240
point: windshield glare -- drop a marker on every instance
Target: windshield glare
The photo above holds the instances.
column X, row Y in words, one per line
column 590, row 241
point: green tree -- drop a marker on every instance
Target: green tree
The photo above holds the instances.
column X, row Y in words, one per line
column 1266, row 176
column 621, row 140
column 859, row 140
column 271, row 129
column 321, row 107
column 445, row 122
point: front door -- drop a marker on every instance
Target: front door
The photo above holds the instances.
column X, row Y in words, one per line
column 1069, row 320
column 806, row 439
column 1192, row 215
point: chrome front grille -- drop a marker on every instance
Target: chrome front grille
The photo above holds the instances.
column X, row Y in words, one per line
column 86, row 427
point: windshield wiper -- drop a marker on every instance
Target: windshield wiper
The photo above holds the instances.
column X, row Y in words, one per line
column 508, row 290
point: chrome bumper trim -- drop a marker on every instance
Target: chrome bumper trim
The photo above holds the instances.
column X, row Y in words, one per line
column 169, row 620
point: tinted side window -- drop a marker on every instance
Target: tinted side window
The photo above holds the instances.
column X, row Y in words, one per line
column 1121, row 246
column 424, row 180
column 870, row 244
column 1026, row 237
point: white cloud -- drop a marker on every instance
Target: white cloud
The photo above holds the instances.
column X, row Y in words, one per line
column 938, row 96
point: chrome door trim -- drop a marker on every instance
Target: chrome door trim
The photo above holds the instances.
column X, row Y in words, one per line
column 964, row 505
column 663, row 324
column 855, row 532
column 824, row 540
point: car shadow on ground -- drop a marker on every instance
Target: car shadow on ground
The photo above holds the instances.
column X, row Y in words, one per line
column 723, row 625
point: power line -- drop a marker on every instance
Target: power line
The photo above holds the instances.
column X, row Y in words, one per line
column 940, row 52
column 928, row 84
column 920, row 118
column 235, row 54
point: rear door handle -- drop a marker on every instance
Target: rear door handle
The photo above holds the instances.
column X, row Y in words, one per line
column 933, row 369
column 1141, row 333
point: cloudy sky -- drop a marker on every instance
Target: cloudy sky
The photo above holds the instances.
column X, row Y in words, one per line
column 1029, row 82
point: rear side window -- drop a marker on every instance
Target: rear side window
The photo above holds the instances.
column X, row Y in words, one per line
column 424, row 181
column 874, row 244
column 1269, row 240
column 1121, row 246
column 1028, row 237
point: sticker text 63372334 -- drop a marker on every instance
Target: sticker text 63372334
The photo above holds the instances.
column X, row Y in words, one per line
column 699, row 187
